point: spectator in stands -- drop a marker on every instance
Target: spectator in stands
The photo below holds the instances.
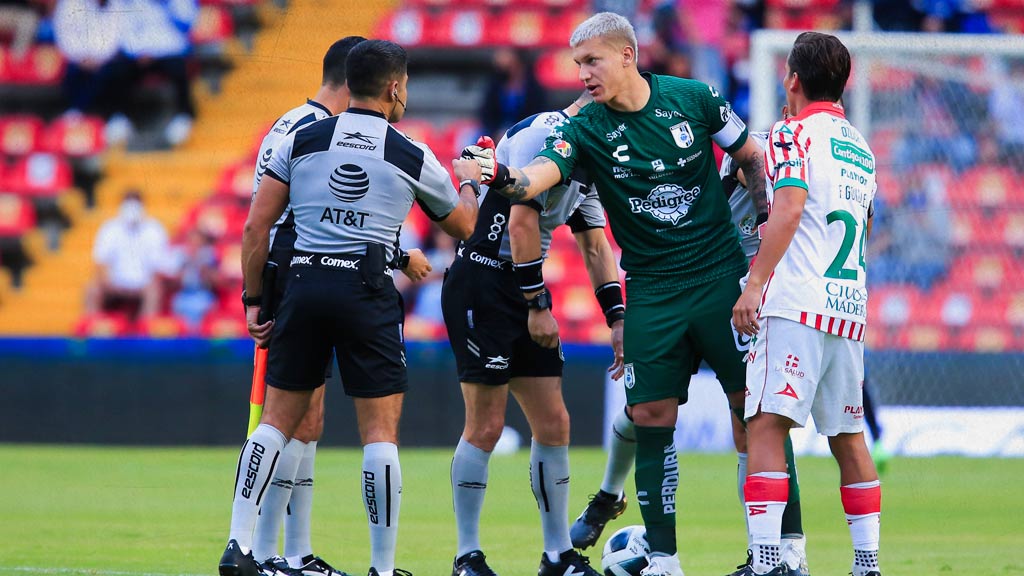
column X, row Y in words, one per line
column 19, row 20
column 155, row 40
column 702, row 28
column 196, row 272
column 512, row 92
column 129, row 250
column 941, row 138
column 627, row 8
column 1005, row 103
column 87, row 33
column 920, row 236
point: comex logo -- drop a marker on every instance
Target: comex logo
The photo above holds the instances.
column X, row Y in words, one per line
column 349, row 183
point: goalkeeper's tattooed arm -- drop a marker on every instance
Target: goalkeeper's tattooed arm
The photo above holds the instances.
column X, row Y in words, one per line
column 531, row 180
column 751, row 159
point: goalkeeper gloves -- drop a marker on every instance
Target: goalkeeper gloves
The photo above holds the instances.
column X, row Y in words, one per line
column 492, row 172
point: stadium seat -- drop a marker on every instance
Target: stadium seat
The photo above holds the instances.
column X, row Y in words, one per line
column 988, row 272
column 985, row 186
column 102, row 325
column 229, row 254
column 461, row 28
column 971, row 230
column 224, row 324
column 236, row 179
column 213, row 25
column 555, row 70
column 220, row 217
column 408, row 27
column 42, row 66
column 419, row 328
column 76, row 136
column 575, row 303
column 17, row 215
column 20, row 135
column 41, row 174
column 1014, row 311
column 923, row 338
column 526, row 28
column 162, row 326
column 1013, row 230
column 985, row 339
column 893, row 304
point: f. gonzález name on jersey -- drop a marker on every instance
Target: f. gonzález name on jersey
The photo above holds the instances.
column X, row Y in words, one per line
column 656, row 176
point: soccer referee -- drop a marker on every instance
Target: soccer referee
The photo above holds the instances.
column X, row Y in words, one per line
column 351, row 181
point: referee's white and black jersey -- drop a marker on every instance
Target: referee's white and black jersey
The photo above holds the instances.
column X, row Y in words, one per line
column 353, row 178
column 573, row 202
column 291, row 121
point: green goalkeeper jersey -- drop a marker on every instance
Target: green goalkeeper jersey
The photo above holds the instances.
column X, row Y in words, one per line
column 656, row 175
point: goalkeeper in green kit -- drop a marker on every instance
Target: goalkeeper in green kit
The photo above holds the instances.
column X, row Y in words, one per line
column 646, row 141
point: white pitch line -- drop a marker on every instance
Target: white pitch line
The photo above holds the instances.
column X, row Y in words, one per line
column 89, row 571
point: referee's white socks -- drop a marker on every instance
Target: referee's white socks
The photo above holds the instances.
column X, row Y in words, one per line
column 256, row 465
column 297, row 544
column 275, row 502
column 382, row 497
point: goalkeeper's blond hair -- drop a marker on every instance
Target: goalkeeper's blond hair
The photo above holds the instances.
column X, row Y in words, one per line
column 608, row 26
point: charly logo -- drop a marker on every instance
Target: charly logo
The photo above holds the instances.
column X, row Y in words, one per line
column 349, row 183
column 668, row 202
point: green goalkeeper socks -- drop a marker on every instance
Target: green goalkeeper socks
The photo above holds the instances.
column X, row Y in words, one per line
column 657, row 477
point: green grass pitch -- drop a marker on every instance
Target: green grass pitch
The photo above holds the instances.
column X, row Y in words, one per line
column 126, row 511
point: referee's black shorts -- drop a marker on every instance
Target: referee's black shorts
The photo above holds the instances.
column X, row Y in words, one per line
column 281, row 254
column 325, row 309
column 486, row 317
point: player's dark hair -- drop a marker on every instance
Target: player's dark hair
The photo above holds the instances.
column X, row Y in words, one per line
column 823, row 65
column 372, row 64
column 334, row 60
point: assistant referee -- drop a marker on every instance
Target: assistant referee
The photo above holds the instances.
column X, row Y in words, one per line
column 351, row 181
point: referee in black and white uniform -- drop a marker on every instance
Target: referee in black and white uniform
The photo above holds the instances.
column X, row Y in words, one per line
column 351, row 181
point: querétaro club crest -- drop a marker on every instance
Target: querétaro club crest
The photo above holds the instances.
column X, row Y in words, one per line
column 349, row 183
column 668, row 202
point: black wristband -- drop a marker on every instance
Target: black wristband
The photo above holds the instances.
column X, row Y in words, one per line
column 251, row 300
column 542, row 301
column 403, row 260
column 502, row 177
column 529, row 275
column 609, row 298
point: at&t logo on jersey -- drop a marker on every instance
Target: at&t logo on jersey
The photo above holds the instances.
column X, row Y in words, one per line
column 349, row 183
column 668, row 202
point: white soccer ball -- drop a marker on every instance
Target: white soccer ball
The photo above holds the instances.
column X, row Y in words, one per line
column 625, row 553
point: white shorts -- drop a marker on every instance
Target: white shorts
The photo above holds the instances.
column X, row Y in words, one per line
column 794, row 370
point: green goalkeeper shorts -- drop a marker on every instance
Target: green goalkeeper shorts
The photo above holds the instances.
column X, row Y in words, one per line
column 666, row 336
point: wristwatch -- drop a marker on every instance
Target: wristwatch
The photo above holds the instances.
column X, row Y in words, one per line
column 542, row 301
column 403, row 260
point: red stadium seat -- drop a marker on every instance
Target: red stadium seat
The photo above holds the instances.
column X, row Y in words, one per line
column 224, row 324
column 556, row 71
column 102, row 325
column 1014, row 311
column 229, row 254
column 575, row 303
column 987, row 186
column 213, row 25
column 408, row 27
column 527, row 28
column 220, row 217
column 236, row 179
column 1013, row 230
column 971, row 230
column 20, row 135
column 162, row 326
column 989, row 272
column 893, row 304
column 42, row 65
column 75, row 135
column 17, row 215
column 985, row 339
column 923, row 338
column 463, row 28
column 802, row 4
column 41, row 174
column 422, row 131
column 423, row 329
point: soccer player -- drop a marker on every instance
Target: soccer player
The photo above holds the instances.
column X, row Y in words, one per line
column 289, row 497
column 804, row 305
column 350, row 181
column 647, row 143
column 505, row 338
column 609, row 501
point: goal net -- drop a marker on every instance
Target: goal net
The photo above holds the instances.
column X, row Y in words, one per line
column 944, row 115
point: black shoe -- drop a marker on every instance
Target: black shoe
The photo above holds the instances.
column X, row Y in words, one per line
column 748, row 570
column 396, row 572
column 602, row 508
column 317, row 566
column 569, row 562
column 234, row 563
column 278, row 566
column 472, row 564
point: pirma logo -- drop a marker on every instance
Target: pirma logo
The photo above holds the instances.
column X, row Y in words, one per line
column 349, row 183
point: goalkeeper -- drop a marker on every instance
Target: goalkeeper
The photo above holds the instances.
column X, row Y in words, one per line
column 647, row 143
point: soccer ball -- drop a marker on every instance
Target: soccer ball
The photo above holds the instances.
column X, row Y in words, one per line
column 625, row 553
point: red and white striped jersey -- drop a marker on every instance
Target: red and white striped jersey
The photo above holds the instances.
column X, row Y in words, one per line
column 820, row 280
